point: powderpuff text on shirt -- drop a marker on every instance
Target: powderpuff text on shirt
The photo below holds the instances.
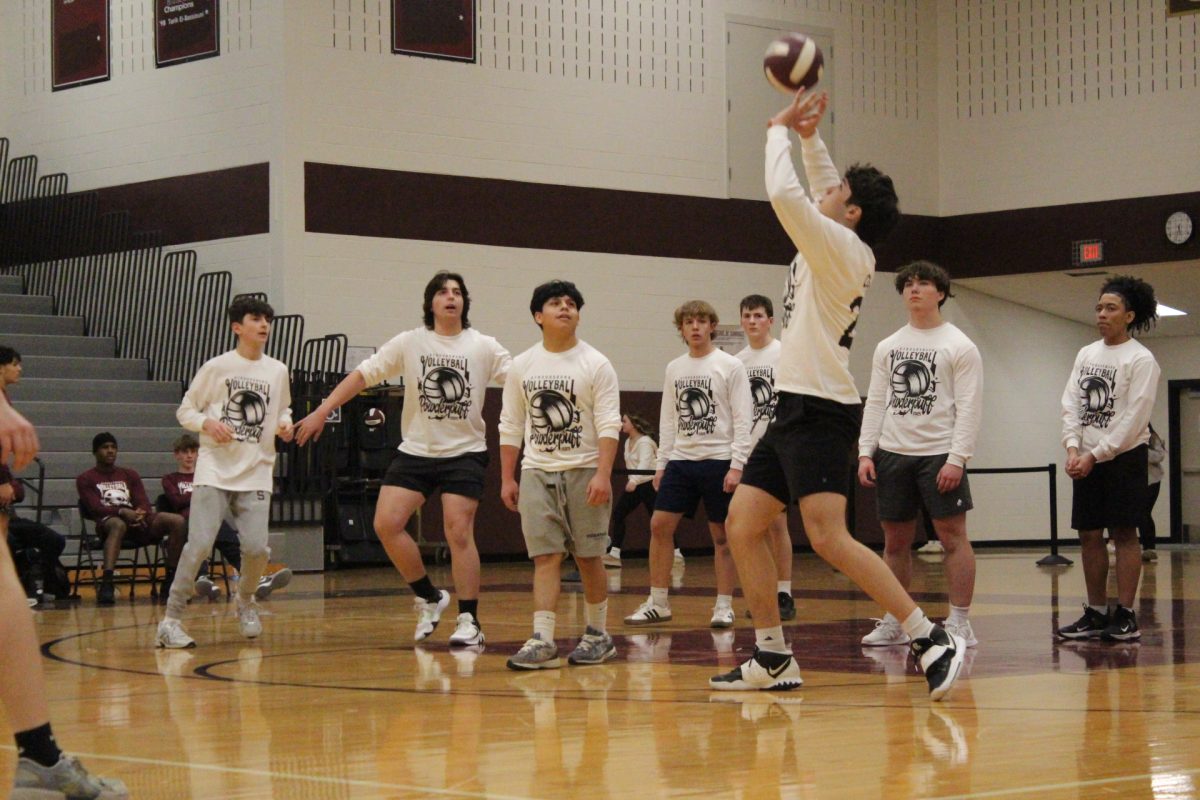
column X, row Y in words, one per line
column 914, row 381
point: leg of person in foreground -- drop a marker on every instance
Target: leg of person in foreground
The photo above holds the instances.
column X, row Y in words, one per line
column 396, row 505
column 42, row 769
column 772, row 666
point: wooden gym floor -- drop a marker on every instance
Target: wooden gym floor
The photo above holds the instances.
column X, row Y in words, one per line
column 334, row 700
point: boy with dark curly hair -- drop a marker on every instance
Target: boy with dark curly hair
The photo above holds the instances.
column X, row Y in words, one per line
column 1106, row 429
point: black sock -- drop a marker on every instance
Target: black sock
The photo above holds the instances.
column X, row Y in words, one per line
column 107, row 576
column 425, row 590
column 469, row 607
column 37, row 744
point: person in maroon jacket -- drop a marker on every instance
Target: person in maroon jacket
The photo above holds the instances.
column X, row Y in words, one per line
column 114, row 498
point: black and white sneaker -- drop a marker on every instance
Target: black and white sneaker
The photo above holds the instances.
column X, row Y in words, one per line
column 940, row 655
column 1122, row 626
column 764, row 671
column 1090, row 626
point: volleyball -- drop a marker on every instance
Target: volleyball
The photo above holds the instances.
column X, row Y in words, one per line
column 793, row 61
column 444, row 384
column 1095, row 392
column 760, row 390
column 374, row 418
column 910, row 379
column 550, row 412
column 693, row 403
column 247, row 407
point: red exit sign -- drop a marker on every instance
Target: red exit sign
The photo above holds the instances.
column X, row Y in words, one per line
column 1087, row 252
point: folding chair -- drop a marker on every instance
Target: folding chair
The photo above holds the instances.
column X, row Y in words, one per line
column 89, row 543
column 215, row 559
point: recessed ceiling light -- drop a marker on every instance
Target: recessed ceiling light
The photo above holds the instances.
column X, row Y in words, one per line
column 1165, row 310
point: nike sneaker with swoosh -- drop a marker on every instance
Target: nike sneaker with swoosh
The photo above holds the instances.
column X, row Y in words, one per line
column 940, row 655
column 764, row 672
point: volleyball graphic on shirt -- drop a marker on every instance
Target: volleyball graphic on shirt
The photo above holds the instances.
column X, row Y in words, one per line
column 913, row 381
column 245, row 409
column 1097, row 395
column 695, row 407
column 114, row 494
column 550, row 412
column 554, row 417
column 762, row 393
column 445, row 387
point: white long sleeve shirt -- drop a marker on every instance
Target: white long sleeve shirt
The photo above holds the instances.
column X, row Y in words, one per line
column 252, row 397
column 926, row 395
column 827, row 279
column 640, row 455
column 559, row 405
column 445, row 379
column 706, row 411
column 761, row 367
column 1107, row 402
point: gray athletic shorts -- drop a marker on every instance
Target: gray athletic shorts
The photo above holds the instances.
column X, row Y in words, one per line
column 555, row 516
column 906, row 483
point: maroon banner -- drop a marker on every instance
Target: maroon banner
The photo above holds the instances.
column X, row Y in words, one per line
column 1182, row 7
column 79, row 42
column 434, row 28
column 185, row 30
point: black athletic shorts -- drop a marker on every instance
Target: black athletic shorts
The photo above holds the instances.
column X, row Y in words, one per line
column 905, row 483
column 1113, row 495
column 686, row 483
column 461, row 475
column 809, row 448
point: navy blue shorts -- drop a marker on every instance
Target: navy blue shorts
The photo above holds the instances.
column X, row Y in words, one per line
column 686, row 483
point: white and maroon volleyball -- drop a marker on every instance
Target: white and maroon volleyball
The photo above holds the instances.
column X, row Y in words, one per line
column 793, row 61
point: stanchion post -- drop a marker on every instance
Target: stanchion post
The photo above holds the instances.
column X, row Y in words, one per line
column 1054, row 559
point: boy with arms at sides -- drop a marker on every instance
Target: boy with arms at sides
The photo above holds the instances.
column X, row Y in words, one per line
column 761, row 357
column 805, row 455
column 1106, row 409
column 919, row 429
column 562, row 402
column 447, row 366
column 238, row 403
column 705, row 429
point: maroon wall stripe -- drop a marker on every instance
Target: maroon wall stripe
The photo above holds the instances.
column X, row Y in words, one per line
column 361, row 201
column 200, row 207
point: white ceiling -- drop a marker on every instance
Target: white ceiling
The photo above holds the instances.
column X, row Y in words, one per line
column 1175, row 283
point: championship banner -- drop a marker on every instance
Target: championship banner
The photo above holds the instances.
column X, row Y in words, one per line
column 79, row 42
column 185, row 30
column 434, row 28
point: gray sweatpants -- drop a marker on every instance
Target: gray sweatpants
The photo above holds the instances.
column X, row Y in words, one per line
column 250, row 512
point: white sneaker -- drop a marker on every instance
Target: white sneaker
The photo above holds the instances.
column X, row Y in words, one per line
column 272, row 583
column 933, row 546
column 722, row 617
column 171, row 635
column 206, row 588
column 758, row 673
column 678, row 558
column 610, row 560
column 888, row 631
column 429, row 614
column 962, row 630
column 248, row 620
column 467, row 632
column 649, row 614
column 65, row 779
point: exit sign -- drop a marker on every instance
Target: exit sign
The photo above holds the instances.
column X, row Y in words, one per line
column 1087, row 252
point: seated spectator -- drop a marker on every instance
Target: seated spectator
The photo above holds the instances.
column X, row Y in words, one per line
column 177, row 495
column 40, row 545
column 115, row 499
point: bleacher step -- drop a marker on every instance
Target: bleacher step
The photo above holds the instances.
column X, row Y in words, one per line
column 75, row 439
column 32, row 344
column 99, row 391
column 68, row 465
column 80, row 368
column 100, row 416
column 26, row 304
column 45, row 324
column 12, row 284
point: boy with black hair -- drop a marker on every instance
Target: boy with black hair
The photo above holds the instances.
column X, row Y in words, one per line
column 1106, row 408
column 805, row 454
column 562, row 403
column 115, row 499
column 919, row 428
column 761, row 357
column 43, row 770
column 447, row 366
column 238, row 403
column 704, row 425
